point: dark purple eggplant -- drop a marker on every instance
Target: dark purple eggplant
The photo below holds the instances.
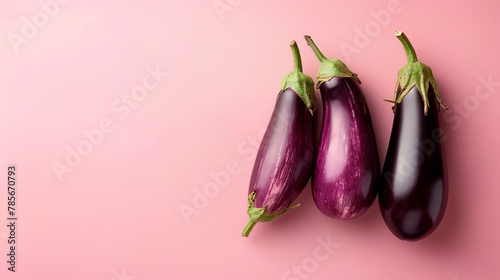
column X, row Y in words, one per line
column 347, row 169
column 284, row 162
column 414, row 190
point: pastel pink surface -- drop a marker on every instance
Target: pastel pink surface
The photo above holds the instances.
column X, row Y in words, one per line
column 116, row 213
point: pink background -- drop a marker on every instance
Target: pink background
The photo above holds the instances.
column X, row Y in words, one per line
column 115, row 213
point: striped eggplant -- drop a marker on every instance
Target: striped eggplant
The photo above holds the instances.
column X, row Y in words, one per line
column 413, row 190
column 347, row 169
column 284, row 162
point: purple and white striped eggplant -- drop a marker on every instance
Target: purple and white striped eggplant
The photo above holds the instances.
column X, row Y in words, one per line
column 285, row 158
column 344, row 183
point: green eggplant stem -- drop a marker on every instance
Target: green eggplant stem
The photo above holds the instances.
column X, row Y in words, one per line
column 410, row 51
column 321, row 57
column 297, row 60
column 248, row 228
column 260, row 214
column 415, row 74
column 330, row 68
column 302, row 84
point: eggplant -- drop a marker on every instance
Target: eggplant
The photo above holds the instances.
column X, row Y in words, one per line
column 285, row 158
column 347, row 168
column 413, row 192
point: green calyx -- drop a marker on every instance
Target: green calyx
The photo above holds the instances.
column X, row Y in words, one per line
column 330, row 68
column 302, row 84
column 260, row 214
column 415, row 74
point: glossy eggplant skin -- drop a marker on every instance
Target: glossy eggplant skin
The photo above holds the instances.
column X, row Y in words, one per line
column 284, row 161
column 414, row 189
column 347, row 169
